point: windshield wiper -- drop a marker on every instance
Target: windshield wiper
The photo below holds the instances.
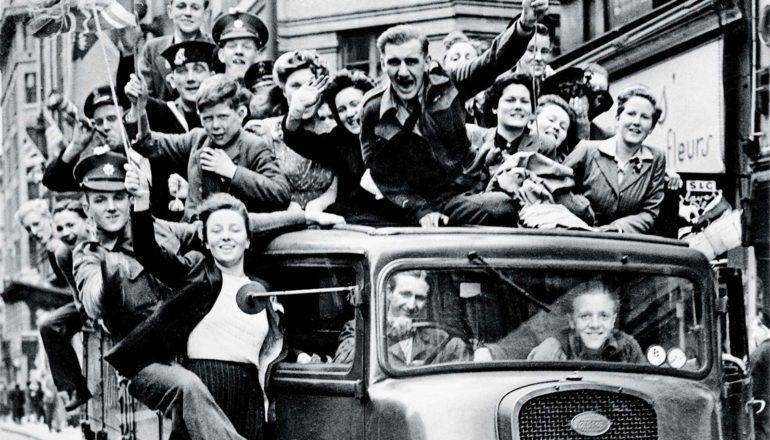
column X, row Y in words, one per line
column 473, row 256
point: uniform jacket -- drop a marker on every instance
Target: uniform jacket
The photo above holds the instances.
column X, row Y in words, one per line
column 196, row 281
column 633, row 205
column 419, row 171
column 154, row 68
column 258, row 181
column 114, row 287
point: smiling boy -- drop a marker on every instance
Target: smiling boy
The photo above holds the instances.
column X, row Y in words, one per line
column 221, row 156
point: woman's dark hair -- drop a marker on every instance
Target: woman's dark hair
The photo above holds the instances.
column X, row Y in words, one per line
column 218, row 202
column 642, row 92
column 75, row 206
column 493, row 94
column 343, row 79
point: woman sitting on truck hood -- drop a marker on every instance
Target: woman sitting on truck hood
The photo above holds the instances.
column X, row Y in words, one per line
column 591, row 336
column 622, row 177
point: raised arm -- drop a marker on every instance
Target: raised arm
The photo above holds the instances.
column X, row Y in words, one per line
column 473, row 76
column 168, row 267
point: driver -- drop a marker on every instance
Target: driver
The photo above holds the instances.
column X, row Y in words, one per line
column 591, row 336
column 409, row 344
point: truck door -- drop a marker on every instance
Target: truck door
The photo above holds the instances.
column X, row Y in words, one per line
column 319, row 396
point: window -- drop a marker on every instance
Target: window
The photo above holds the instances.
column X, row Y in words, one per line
column 30, row 87
column 473, row 316
column 358, row 50
column 318, row 312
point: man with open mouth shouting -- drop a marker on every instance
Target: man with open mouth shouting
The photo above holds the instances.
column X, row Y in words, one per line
column 241, row 37
column 413, row 135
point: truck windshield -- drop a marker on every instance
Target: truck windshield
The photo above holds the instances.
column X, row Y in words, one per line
column 491, row 314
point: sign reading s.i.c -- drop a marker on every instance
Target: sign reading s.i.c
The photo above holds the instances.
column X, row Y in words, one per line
column 688, row 87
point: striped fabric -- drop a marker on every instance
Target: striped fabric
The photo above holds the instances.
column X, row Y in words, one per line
column 236, row 390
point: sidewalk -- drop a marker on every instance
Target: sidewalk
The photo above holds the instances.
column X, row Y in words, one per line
column 38, row 431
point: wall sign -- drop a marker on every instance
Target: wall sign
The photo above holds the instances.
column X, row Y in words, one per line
column 689, row 90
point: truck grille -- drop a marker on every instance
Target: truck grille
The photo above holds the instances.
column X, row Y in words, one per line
column 548, row 416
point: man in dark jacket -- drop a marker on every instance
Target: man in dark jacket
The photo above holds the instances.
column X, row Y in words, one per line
column 413, row 135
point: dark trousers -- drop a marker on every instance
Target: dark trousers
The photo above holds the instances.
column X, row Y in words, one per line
column 235, row 387
column 490, row 208
column 56, row 332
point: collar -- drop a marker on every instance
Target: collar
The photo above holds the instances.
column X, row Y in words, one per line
column 433, row 79
column 509, row 147
column 605, row 352
column 609, row 147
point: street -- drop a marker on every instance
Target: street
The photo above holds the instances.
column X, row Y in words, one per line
column 35, row 431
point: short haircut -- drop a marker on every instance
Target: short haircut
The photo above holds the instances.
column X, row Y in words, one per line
column 218, row 202
column 560, row 102
column 495, row 92
column 543, row 30
column 641, row 92
column 221, row 89
column 343, row 79
column 400, row 34
column 75, row 206
column 33, row 205
column 592, row 287
column 171, row 2
column 392, row 281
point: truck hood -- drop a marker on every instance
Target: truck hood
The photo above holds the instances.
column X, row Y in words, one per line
column 480, row 405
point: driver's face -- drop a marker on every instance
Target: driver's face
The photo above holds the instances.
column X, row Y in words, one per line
column 408, row 296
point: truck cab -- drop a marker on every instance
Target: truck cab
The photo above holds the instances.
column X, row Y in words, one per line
column 458, row 333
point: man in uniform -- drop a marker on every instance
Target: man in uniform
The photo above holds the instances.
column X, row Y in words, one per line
column 116, row 289
column 413, row 135
column 241, row 37
column 188, row 17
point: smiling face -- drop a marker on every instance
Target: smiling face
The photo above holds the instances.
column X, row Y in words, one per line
column 38, row 225
column 514, row 109
column 238, row 55
column 348, row 102
column 108, row 125
column 406, row 65
column 635, row 121
column 109, row 210
column 226, row 237
column 187, row 15
column 70, row 227
column 593, row 318
column 552, row 124
column 458, row 53
column 537, row 56
column 188, row 77
column 221, row 122
column 408, row 296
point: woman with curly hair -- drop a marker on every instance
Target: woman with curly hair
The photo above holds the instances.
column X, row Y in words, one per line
column 339, row 149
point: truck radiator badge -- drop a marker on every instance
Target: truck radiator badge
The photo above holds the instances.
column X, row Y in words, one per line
column 590, row 424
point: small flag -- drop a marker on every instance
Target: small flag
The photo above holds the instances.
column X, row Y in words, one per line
column 51, row 17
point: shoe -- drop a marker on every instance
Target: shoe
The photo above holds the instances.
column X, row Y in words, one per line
column 77, row 398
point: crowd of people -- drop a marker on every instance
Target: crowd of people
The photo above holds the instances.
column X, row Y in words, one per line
column 208, row 147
